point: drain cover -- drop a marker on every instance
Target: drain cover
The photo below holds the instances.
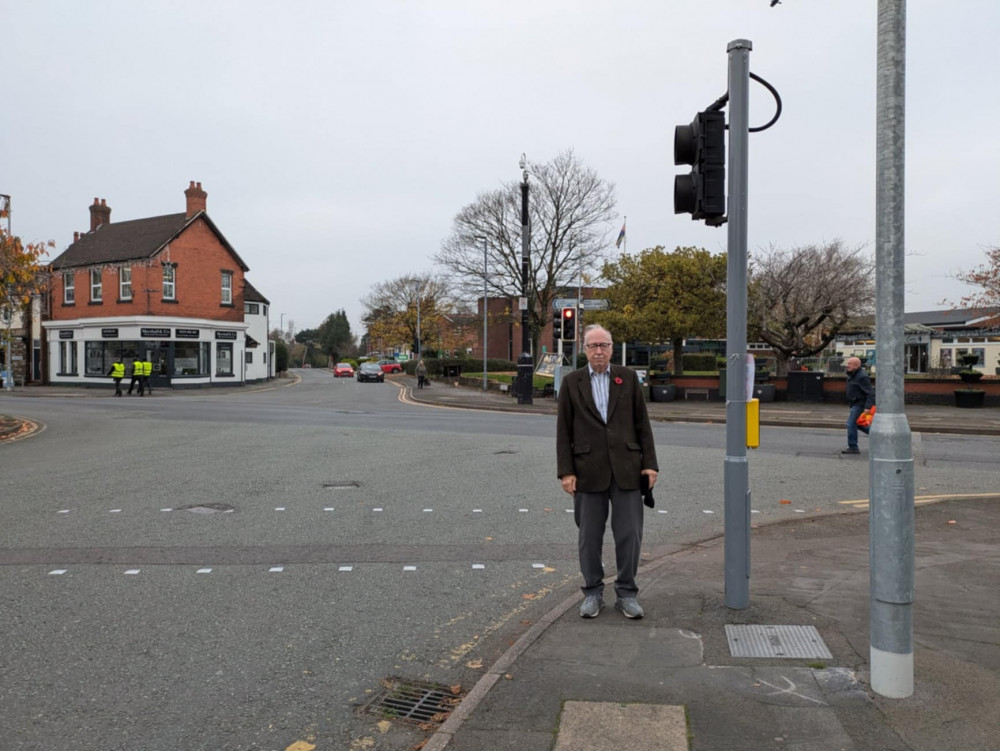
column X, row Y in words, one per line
column 208, row 508
column 413, row 702
column 341, row 484
column 776, row 641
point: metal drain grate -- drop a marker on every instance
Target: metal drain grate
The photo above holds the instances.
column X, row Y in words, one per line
column 208, row 508
column 413, row 702
column 341, row 484
column 776, row 641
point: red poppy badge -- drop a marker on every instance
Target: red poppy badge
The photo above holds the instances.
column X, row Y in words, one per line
column 618, row 381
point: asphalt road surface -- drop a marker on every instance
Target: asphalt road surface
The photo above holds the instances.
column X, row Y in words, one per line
column 241, row 571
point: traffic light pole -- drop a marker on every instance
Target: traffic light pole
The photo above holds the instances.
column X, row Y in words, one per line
column 736, row 471
column 525, row 364
column 891, row 534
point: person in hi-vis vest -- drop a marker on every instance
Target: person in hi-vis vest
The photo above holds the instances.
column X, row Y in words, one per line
column 147, row 371
column 117, row 372
column 136, row 376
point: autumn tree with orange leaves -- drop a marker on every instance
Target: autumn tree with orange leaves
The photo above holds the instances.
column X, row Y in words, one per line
column 986, row 277
column 22, row 275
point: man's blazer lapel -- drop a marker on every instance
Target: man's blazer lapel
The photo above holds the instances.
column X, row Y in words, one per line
column 614, row 392
column 587, row 394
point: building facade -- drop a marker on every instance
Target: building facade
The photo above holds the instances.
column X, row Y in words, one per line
column 170, row 289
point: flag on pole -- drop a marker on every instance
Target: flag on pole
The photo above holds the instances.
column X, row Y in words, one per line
column 621, row 237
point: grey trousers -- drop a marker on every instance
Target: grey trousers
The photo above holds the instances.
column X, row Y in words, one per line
column 590, row 510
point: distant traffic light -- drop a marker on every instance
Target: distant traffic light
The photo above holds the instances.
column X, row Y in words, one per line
column 702, row 144
column 569, row 324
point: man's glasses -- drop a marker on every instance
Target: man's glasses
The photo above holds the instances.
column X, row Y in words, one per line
column 598, row 345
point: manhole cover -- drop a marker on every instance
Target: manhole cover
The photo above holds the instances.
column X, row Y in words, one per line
column 208, row 508
column 341, row 484
column 776, row 641
column 413, row 702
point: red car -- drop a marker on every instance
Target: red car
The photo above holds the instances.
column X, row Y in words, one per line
column 390, row 366
column 343, row 369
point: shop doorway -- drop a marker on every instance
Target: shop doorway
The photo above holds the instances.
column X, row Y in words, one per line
column 916, row 358
column 161, row 356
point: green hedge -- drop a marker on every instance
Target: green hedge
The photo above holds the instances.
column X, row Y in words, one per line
column 700, row 361
column 435, row 365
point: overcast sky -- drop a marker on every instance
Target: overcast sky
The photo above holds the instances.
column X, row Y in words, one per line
column 337, row 140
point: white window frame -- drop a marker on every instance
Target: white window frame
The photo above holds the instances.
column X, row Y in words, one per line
column 125, row 283
column 96, row 287
column 69, row 288
column 227, row 287
column 169, row 282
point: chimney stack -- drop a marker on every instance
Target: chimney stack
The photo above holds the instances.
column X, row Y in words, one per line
column 195, row 199
column 100, row 213
column 76, row 236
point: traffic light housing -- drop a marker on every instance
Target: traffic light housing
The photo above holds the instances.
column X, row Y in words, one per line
column 557, row 325
column 569, row 324
column 702, row 144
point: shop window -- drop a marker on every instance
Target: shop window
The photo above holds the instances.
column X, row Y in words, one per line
column 69, row 288
column 191, row 359
column 96, row 286
column 67, row 358
column 227, row 287
column 95, row 362
column 124, row 283
column 223, row 359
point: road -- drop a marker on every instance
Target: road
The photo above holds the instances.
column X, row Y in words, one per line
column 241, row 571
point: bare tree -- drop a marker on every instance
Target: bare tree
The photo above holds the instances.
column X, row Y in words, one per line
column 390, row 310
column 801, row 298
column 570, row 211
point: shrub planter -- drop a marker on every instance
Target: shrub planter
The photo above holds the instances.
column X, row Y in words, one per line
column 969, row 398
column 662, row 392
column 764, row 392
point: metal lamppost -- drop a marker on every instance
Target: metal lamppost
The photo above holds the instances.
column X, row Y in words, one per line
column 485, row 312
column 525, row 364
column 416, row 291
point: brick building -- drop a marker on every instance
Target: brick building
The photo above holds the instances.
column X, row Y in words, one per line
column 167, row 288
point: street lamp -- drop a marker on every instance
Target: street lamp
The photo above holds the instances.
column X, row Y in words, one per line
column 416, row 291
column 485, row 299
column 525, row 364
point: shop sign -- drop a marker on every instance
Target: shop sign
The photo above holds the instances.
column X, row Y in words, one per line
column 231, row 335
column 109, row 333
column 186, row 333
column 152, row 333
column 66, row 334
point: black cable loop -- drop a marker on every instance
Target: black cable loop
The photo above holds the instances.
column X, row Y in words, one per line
column 719, row 103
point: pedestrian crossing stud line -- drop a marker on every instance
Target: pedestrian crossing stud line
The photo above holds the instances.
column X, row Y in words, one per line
column 132, row 572
column 204, row 571
column 409, row 568
column 57, row 572
column 275, row 569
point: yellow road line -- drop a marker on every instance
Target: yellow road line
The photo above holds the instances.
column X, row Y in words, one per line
column 922, row 500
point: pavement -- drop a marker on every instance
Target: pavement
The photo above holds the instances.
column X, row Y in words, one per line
column 671, row 681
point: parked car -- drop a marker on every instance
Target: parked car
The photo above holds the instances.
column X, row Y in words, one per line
column 370, row 371
column 390, row 366
column 343, row 369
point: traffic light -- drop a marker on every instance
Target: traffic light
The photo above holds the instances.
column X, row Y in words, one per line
column 569, row 324
column 557, row 324
column 702, row 144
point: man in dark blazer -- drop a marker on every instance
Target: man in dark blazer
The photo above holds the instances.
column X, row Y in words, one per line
column 604, row 445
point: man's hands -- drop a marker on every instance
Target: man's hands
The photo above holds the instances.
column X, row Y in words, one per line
column 569, row 481
column 652, row 476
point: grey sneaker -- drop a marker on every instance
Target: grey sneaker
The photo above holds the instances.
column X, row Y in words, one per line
column 629, row 607
column 592, row 605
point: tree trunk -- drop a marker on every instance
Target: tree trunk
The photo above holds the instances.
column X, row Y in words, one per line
column 678, row 356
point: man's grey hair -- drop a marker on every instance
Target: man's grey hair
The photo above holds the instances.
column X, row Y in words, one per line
column 596, row 327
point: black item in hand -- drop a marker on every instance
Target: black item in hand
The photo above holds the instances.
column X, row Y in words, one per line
column 647, row 492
